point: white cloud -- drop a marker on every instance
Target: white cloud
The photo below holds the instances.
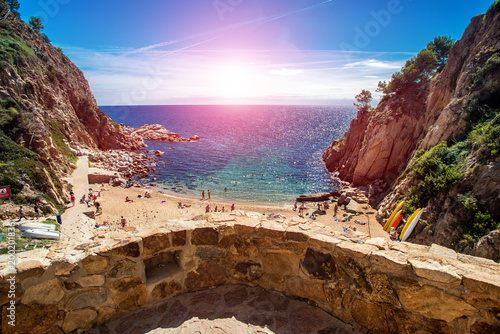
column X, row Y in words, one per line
column 286, row 72
column 375, row 64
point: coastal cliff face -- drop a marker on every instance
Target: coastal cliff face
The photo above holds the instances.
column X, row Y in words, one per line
column 390, row 150
column 48, row 109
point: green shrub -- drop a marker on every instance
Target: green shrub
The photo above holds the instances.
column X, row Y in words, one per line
column 476, row 223
column 492, row 63
column 432, row 172
column 485, row 138
column 58, row 135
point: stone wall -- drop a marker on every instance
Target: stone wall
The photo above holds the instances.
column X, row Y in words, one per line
column 376, row 285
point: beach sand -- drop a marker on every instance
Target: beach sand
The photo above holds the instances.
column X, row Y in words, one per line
column 161, row 210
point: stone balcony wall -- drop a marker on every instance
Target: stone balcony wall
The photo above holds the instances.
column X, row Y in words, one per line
column 378, row 286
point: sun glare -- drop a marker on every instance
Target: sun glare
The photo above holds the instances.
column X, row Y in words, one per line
column 236, row 81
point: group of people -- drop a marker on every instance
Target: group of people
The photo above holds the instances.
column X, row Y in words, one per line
column 90, row 200
column 320, row 207
column 203, row 195
column 207, row 209
column 22, row 214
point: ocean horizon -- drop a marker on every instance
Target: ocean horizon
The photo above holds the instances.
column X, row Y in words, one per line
column 246, row 153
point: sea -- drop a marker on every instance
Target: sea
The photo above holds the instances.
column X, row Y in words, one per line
column 249, row 153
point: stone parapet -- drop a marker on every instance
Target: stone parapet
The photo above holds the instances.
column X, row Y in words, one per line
column 378, row 287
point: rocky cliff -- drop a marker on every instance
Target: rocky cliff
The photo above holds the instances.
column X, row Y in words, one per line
column 47, row 113
column 440, row 151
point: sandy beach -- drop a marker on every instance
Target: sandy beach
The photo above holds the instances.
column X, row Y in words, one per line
column 162, row 210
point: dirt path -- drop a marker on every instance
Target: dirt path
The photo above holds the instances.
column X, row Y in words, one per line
column 76, row 226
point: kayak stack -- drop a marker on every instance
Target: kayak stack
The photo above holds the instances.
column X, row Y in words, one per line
column 396, row 218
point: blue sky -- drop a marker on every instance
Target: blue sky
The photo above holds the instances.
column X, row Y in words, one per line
column 243, row 51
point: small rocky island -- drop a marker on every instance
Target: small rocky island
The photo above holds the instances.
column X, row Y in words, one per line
column 157, row 132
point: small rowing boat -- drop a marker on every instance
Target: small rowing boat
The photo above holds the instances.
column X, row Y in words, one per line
column 40, row 234
column 42, row 226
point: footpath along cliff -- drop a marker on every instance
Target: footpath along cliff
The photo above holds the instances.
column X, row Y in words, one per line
column 434, row 142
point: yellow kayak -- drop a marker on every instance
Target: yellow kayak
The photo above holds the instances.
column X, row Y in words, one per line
column 393, row 220
column 393, row 216
column 408, row 223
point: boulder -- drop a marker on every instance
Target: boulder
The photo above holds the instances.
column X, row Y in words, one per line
column 119, row 182
column 489, row 246
column 320, row 197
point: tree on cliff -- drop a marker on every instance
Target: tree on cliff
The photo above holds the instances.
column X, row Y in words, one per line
column 441, row 46
column 36, row 23
column 413, row 77
column 364, row 98
column 14, row 6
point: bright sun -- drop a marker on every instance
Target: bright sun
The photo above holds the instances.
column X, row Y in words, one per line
column 236, row 81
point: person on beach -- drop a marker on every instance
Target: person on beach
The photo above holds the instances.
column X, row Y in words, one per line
column 98, row 208
column 203, row 195
column 22, row 214
column 301, row 209
column 216, row 210
column 128, row 199
column 73, row 198
column 37, row 210
column 208, row 194
column 223, row 210
column 393, row 234
column 207, row 208
column 82, row 200
column 295, row 206
column 232, row 207
column 124, row 222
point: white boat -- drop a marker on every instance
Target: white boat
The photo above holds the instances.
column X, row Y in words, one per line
column 41, row 226
column 41, row 234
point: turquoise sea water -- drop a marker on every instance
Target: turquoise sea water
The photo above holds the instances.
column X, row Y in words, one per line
column 265, row 154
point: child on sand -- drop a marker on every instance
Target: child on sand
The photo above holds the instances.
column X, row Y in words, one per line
column 393, row 234
column 124, row 222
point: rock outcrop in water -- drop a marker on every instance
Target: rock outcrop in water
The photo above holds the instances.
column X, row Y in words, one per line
column 385, row 150
column 157, row 132
column 47, row 109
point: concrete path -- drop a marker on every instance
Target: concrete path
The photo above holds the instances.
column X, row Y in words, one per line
column 77, row 227
column 231, row 309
